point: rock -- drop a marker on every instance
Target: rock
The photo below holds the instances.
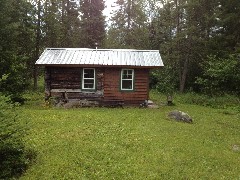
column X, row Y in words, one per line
column 80, row 103
column 170, row 100
column 150, row 102
column 59, row 104
column 153, row 106
column 72, row 104
column 236, row 147
column 180, row 116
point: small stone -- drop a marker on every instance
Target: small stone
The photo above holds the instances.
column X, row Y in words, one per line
column 153, row 106
column 150, row 102
column 71, row 104
column 236, row 147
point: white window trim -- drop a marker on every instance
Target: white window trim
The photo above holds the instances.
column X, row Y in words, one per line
column 88, row 78
column 127, row 79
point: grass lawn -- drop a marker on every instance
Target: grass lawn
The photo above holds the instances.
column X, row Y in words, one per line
column 132, row 143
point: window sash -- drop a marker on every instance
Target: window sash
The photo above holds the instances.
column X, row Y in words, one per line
column 88, row 80
column 127, row 77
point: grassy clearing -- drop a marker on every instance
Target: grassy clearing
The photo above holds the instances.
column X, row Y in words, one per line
column 131, row 143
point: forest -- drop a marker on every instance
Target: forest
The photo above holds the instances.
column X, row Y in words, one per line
column 199, row 42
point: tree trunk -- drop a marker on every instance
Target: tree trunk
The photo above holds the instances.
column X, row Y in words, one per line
column 129, row 14
column 184, row 76
column 63, row 9
column 35, row 77
column 68, row 26
column 37, row 46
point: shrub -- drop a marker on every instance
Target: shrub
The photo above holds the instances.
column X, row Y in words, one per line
column 220, row 75
column 14, row 157
column 223, row 101
column 14, row 83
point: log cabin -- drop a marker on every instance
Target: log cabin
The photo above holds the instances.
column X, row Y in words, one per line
column 102, row 76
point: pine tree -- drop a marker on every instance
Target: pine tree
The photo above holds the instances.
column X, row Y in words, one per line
column 229, row 26
column 92, row 23
column 51, row 24
column 16, row 45
column 183, row 31
column 70, row 23
column 129, row 28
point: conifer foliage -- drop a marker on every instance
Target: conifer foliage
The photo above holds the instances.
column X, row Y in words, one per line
column 15, row 158
column 187, row 33
column 92, row 23
column 128, row 25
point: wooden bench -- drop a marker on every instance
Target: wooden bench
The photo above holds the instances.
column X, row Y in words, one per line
column 64, row 93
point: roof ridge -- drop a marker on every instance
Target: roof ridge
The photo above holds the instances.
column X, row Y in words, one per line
column 91, row 49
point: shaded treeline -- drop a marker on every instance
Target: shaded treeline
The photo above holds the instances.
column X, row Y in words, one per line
column 29, row 26
column 199, row 40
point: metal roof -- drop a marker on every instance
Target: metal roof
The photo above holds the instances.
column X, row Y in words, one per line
column 100, row 57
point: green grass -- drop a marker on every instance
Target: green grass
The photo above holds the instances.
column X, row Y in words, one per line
column 131, row 143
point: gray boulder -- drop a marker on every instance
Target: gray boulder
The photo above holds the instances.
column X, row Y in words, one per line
column 180, row 116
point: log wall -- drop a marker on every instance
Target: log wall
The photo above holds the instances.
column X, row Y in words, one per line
column 61, row 79
column 112, row 83
column 108, row 82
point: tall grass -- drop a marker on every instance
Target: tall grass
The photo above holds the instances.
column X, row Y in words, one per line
column 224, row 101
column 220, row 102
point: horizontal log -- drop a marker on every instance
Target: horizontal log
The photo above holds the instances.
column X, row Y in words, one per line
column 65, row 75
column 64, row 86
column 116, row 90
column 76, row 91
column 65, row 82
column 140, row 86
column 70, row 85
column 67, row 79
column 83, row 96
column 66, row 90
column 56, row 70
column 141, row 80
column 125, row 95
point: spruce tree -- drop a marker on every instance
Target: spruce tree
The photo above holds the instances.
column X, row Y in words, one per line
column 183, row 31
column 16, row 45
column 129, row 27
column 92, row 23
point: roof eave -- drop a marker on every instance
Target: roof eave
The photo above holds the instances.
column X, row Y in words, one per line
column 94, row 65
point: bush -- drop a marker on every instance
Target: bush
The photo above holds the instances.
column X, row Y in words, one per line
column 223, row 101
column 166, row 81
column 14, row 157
column 220, row 75
column 14, row 83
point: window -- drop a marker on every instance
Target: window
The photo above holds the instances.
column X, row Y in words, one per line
column 88, row 80
column 127, row 76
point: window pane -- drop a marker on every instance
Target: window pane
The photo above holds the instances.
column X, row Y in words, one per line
column 127, row 74
column 88, row 73
column 127, row 84
column 89, row 83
